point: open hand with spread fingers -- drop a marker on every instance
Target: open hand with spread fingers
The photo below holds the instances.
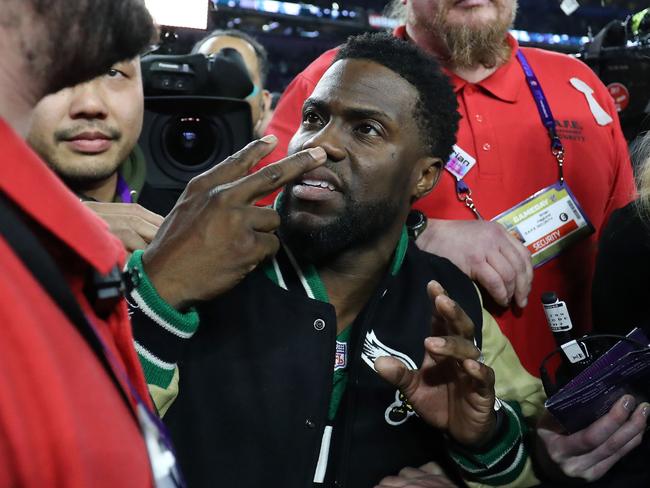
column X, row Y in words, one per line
column 215, row 235
column 452, row 390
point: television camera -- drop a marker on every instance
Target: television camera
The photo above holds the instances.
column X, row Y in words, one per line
column 195, row 116
column 620, row 56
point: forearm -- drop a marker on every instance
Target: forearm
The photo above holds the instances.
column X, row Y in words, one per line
column 504, row 461
column 522, row 393
column 160, row 332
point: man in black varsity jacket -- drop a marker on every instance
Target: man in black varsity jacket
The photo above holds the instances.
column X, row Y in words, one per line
column 332, row 352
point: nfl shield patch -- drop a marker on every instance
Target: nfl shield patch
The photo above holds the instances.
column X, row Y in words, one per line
column 341, row 358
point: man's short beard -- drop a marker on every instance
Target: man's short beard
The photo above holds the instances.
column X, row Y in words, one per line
column 81, row 180
column 471, row 46
column 358, row 226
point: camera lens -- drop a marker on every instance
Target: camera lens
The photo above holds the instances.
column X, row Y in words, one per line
column 190, row 141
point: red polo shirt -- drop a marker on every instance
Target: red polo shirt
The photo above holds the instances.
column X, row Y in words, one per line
column 62, row 421
column 502, row 130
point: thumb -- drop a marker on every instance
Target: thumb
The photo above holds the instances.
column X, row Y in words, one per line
column 396, row 373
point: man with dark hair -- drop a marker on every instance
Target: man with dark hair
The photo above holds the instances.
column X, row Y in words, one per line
column 306, row 365
column 88, row 135
column 537, row 128
column 257, row 63
column 502, row 157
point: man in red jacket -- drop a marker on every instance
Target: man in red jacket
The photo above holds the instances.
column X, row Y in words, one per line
column 68, row 411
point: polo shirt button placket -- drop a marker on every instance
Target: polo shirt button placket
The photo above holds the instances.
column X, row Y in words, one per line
column 319, row 324
column 486, row 146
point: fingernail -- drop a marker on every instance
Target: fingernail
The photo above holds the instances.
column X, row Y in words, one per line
column 437, row 341
column 524, row 302
column 627, row 403
column 269, row 139
column 317, row 153
column 646, row 410
column 473, row 365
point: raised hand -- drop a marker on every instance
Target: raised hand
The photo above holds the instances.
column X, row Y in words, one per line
column 486, row 253
column 452, row 390
column 214, row 236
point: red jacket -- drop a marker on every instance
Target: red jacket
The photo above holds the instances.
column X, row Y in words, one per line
column 62, row 421
column 501, row 128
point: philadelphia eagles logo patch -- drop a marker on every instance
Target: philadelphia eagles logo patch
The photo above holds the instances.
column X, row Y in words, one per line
column 400, row 410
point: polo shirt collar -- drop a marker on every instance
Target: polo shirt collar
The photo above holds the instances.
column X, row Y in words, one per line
column 32, row 186
column 504, row 83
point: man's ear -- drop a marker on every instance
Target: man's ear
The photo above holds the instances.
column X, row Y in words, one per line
column 428, row 169
column 266, row 101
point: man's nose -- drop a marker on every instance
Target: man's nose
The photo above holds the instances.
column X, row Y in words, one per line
column 87, row 102
column 331, row 140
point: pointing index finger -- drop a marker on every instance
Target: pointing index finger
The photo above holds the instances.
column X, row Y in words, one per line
column 276, row 175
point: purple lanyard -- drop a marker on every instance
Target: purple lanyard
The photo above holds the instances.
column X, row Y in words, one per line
column 175, row 479
column 463, row 191
column 545, row 113
column 123, row 190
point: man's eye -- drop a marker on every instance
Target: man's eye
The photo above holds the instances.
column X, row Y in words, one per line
column 115, row 73
column 310, row 118
column 368, row 130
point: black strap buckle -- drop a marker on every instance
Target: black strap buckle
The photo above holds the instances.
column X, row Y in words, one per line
column 105, row 291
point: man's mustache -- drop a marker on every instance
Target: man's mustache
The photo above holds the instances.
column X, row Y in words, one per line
column 97, row 126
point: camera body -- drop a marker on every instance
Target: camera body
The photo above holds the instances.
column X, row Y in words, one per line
column 620, row 56
column 195, row 115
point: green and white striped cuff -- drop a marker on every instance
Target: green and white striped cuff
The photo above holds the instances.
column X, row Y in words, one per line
column 503, row 460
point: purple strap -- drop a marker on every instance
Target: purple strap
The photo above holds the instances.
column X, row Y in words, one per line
column 544, row 110
column 462, row 189
column 123, row 189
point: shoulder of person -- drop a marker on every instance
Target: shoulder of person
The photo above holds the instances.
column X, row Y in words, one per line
column 625, row 226
column 558, row 62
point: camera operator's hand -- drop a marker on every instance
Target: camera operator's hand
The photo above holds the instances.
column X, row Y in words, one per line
column 131, row 223
column 214, row 236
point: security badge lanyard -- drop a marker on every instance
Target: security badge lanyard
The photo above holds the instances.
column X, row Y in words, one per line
column 160, row 451
column 550, row 215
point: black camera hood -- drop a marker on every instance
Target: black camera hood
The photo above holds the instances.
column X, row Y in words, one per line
column 221, row 75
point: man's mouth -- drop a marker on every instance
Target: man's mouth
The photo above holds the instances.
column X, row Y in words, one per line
column 318, row 184
column 90, row 142
column 471, row 3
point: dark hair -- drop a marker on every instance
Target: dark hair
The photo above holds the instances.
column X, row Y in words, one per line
column 436, row 110
column 260, row 51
